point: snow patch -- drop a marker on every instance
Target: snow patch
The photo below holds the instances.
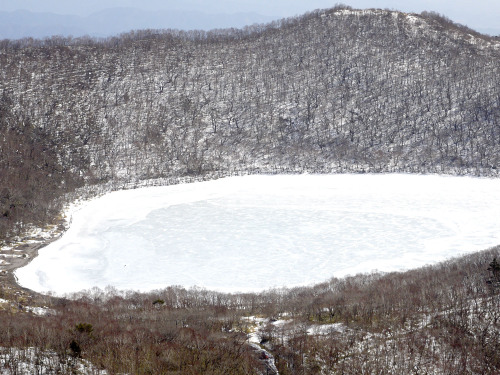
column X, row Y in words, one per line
column 36, row 361
column 325, row 329
column 40, row 311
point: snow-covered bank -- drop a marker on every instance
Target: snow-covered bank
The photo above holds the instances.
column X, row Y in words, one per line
column 257, row 232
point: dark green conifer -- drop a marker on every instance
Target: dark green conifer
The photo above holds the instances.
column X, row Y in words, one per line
column 494, row 268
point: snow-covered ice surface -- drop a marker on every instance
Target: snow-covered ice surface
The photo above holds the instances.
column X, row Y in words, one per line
column 256, row 232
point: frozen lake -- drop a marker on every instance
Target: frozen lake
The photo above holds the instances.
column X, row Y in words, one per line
column 256, row 232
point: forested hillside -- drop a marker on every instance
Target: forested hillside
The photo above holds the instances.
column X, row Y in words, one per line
column 332, row 91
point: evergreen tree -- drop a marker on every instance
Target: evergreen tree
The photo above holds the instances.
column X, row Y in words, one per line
column 494, row 268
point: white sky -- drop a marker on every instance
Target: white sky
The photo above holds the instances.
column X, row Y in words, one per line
column 481, row 15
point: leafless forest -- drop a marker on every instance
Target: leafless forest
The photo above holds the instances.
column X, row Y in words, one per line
column 442, row 319
column 331, row 91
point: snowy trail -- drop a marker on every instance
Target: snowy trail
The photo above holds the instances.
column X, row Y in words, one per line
column 257, row 232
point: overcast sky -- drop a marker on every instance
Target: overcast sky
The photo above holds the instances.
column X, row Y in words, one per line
column 482, row 15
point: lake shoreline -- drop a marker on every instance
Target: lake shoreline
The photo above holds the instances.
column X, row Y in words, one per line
column 21, row 255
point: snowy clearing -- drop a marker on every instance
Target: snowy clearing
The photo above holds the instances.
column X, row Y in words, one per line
column 256, row 232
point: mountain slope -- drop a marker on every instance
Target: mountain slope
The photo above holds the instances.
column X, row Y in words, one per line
column 332, row 91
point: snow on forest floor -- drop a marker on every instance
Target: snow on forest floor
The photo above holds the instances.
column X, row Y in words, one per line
column 37, row 361
column 257, row 232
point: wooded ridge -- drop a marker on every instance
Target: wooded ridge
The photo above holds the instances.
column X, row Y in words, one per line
column 336, row 90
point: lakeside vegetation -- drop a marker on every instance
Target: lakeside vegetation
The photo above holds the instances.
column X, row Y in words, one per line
column 442, row 319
